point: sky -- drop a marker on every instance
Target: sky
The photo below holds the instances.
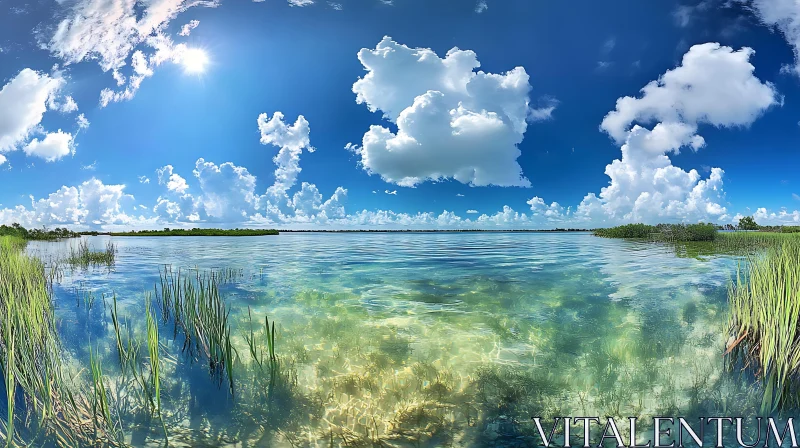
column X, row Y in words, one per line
column 396, row 114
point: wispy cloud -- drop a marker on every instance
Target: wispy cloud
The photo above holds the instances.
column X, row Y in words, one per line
column 603, row 66
column 187, row 28
column 609, row 45
column 683, row 15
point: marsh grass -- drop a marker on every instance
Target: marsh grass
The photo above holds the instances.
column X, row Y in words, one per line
column 763, row 322
column 155, row 364
column 194, row 304
column 100, row 403
column 748, row 242
column 84, row 257
column 661, row 232
column 35, row 378
column 256, row 349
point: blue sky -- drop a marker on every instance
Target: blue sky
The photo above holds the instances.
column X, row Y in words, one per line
column 523, row 145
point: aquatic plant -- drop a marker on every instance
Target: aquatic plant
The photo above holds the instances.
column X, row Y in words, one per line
column 155, row 363
column 661, row 232
column 84, row 257
column 31, row 356
column 100, row 405
column 763, row 322
column 626, row 231
column 748, row 242
column 256, row 352
column 199, row 313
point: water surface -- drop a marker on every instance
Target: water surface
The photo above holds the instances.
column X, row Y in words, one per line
column 426, row 339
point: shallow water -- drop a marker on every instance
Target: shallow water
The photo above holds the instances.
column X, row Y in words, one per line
column 422, row 339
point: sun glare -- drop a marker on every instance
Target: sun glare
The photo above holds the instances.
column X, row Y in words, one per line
column 194, row 60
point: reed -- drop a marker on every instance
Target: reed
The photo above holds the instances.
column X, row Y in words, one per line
column 763, row 322
column 84, row 257
column 31, row 356
column 753, row 241
column 194, row 304
column 155, row 364
column 661, row 232
column 152, row 348
column 11, row 386
column 100, row 406
column 256, row 350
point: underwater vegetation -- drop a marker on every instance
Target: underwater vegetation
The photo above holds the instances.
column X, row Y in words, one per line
column 194, row 304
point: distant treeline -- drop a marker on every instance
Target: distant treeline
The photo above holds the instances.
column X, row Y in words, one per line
column 432, row 230
column 190, row 232
column 36, row 234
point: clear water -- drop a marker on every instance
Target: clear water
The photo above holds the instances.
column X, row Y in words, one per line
column 424, row 339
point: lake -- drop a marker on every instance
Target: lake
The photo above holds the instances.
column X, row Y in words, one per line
column 417, row 339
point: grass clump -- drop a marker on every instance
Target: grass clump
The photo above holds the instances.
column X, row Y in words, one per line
column 662, row 232
column 84, row 257
column 626, row 231
column 199, row 313
column 34, row 375
column 753, row 241
column 763, row 322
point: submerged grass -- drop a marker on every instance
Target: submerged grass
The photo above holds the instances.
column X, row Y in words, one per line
column 155, row 364
column 194, row 304
column 763, row 322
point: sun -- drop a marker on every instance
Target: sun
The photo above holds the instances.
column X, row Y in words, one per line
column 194, row 60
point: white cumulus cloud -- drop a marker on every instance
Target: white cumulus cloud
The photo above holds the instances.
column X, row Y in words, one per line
column 714, row 85
column 90, row 204
column 172, row 180
column 52, row 147
column 23, row 102
column 306, row 205
column 452, row 122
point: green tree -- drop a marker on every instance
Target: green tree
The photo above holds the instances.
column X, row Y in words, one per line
column 748, row 223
